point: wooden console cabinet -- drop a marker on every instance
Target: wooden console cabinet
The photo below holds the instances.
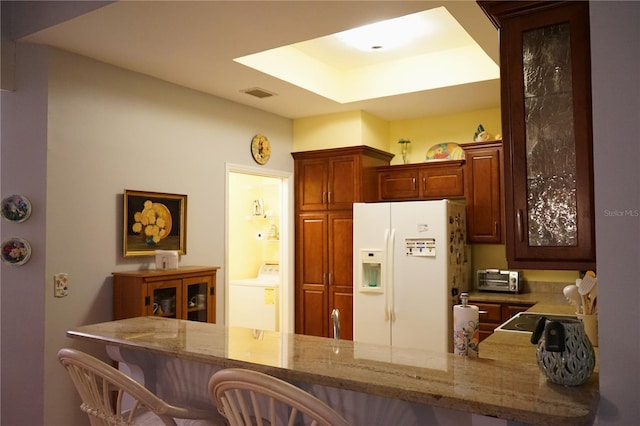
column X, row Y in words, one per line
column 327, row 183
column 188, row 292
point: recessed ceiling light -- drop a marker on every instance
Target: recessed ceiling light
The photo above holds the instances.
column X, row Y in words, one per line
column 384, row 35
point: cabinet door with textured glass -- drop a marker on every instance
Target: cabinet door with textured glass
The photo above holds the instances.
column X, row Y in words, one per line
column 545, row 77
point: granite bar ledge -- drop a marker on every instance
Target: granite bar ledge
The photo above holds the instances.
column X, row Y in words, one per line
column 502, row 388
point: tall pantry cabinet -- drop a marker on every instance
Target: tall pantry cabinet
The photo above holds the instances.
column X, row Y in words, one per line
column 327, row 183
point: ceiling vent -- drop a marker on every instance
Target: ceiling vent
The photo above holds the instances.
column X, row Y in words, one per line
column 258, row 92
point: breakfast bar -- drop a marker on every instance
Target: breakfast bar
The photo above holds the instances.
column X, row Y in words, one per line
column 365, row 382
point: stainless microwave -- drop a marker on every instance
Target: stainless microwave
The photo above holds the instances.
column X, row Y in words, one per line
column 499, row 280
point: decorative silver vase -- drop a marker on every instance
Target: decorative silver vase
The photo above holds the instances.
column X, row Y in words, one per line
column 564, row 353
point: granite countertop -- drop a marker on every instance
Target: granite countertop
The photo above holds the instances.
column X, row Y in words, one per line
column 504, row 382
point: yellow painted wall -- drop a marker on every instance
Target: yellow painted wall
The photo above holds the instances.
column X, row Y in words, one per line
column 327, row 131
column 338, row 130
column 361, row 128
column 375, row 132
column 428, row 131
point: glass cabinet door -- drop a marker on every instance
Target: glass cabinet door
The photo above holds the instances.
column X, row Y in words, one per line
column 551, row 212
column 197, row 298
column 546, row 119
column 165, row 299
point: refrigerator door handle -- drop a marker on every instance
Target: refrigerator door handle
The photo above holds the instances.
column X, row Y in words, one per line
column 390, row 275
column 385, row 277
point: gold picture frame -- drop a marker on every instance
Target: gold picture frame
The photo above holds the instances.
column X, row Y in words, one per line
column 153, row 221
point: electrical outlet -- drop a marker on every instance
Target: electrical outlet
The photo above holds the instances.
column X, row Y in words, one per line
column 61, row 285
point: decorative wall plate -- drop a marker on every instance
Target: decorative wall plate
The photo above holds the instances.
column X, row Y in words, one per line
column 15, row 251
column 16, row 208
column 260, row 149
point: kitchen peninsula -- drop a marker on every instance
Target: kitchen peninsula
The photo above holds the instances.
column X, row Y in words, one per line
column 358, row 379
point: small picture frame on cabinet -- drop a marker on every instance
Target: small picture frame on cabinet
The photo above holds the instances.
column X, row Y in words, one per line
column 153, row 221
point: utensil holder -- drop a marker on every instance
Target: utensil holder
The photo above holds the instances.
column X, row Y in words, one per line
column 590, row 324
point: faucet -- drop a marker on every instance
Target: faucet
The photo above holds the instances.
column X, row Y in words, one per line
column 335, row 316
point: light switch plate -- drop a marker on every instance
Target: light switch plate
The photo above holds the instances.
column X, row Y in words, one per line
column 61, row 285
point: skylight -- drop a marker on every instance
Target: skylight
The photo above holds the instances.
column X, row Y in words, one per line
column 439, row 54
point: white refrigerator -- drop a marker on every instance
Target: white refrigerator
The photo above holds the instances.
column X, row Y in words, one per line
column 410, row 264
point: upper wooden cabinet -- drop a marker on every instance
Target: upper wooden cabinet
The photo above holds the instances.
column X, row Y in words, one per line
column 546, row 121
column 478, row 178
column 483, row 188
column 333, row 179
column 422, row 181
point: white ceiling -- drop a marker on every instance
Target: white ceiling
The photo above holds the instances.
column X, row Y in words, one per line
column 194, row 44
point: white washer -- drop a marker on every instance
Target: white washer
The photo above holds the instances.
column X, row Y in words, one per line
column 255, row 302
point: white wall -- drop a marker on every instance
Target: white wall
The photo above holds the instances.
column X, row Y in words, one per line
column 24, row 162
column 110, row 129
column 615, row 46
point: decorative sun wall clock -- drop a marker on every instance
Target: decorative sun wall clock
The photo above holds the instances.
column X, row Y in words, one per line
column 260, row 149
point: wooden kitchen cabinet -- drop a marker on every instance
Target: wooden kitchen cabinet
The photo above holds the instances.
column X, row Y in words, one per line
column 494, row 314
column 333, row 179
column 327, row 183
column 324, row 263
column 484, row 188
column 423, row 181
column 184, row 293
column 546, row 117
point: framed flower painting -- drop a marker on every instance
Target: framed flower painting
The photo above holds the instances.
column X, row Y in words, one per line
column 153, row 221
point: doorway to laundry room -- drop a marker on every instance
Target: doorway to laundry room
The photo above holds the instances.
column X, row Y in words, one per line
column 257, row 287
